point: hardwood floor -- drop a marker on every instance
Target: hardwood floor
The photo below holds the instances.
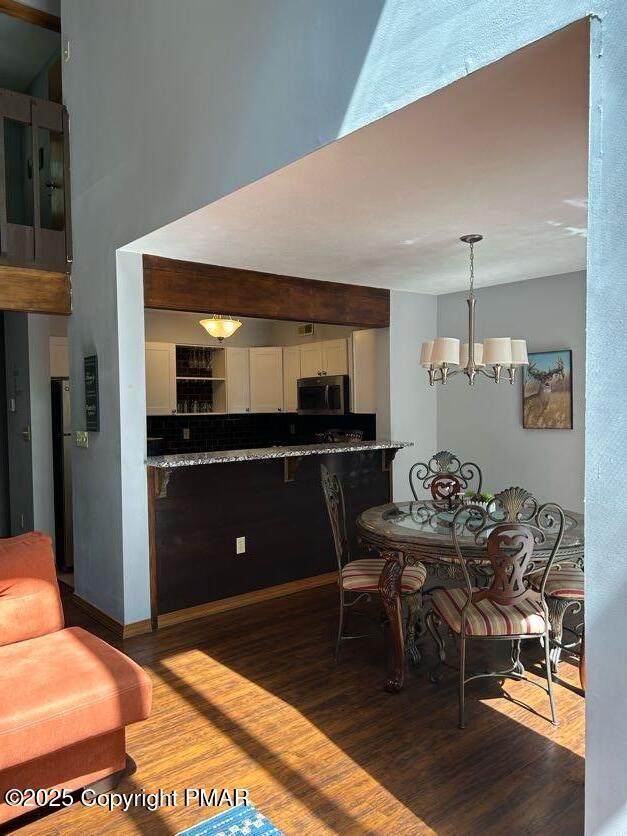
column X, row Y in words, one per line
column 250, row 699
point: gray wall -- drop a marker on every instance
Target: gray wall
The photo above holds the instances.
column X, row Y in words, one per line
column 19, row 450
column 412, row 402
column 172, row 108
column 27, row 359
column 176, row 327
column 484, row 423
column 284, row 333
column 165, row 120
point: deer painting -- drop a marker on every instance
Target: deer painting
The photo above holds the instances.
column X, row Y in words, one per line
column 547, row 395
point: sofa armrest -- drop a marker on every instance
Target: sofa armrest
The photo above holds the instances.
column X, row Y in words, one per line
column 30, row 604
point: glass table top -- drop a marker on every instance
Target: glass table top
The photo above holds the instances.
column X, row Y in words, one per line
column 426, row 520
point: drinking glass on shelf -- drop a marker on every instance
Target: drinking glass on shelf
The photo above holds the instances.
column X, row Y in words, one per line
column 183, row 406
column 194, row 405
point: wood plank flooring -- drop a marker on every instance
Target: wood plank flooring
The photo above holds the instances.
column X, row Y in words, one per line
column 250, row 699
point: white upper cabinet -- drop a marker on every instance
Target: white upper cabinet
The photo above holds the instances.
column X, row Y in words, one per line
column 266, row 379
column 160, row 378
column 363, row 371
column 328, row 357
column 237, row 380
column 291, row 373
column 334, row 357
column 311, row 360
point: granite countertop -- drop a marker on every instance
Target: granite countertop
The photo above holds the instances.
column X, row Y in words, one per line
column 257, row 454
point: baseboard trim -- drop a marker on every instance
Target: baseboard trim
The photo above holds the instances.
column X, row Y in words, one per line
column 123, row 631
column 234, row 602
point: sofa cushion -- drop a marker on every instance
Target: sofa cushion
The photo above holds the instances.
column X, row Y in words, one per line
column 62, row 688
column 29, row 594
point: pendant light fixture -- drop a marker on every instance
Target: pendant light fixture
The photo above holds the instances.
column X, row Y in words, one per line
column 220, row 327
column 443, row 357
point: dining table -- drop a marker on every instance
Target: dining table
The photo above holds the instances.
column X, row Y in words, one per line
column 420, row 531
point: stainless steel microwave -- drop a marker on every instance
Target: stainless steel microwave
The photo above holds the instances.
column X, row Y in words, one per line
column 326, row 395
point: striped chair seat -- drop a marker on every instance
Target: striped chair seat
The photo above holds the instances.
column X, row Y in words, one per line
column 486, row 618
column 363, row 575
column 564, row 581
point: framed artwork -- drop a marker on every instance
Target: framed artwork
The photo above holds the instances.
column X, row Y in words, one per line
column 547, row 391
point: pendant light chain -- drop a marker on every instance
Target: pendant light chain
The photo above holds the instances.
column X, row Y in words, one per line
column 472, row 268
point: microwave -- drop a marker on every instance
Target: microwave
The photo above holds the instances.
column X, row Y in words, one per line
column 327, row 395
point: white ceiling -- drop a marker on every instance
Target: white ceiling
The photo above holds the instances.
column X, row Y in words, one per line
column 24, row 51
column 502, row 152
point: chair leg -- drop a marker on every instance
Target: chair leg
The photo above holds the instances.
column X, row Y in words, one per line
column 462, row 680
column 549, row 676
column 517, row 665
column 414, row 606
column 340, row 628
column 433, row 621
column 557, row 607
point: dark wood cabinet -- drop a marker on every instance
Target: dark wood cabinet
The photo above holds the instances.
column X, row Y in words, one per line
column 35, row 229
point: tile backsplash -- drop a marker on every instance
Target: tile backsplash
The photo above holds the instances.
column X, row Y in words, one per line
column 198, row 433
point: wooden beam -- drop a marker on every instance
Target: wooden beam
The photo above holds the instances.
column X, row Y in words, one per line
column 208, row 288
column 34, row 291
column 30, row 15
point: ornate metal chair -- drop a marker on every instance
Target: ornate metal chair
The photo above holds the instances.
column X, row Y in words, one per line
column 358, row 579
column 564, row 591
column 508, row 608
column 445, row 477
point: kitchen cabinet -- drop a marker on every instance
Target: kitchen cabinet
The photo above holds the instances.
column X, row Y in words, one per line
column 334, row 357
column 327, row 357
column 363, row 371
column 160, row 378
column 237, row 380
column 266, row 379
column 291, row 373
column 311, row 360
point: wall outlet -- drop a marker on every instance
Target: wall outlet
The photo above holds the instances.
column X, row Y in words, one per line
column 186, row 433
column 240, row 545
column 82, row 438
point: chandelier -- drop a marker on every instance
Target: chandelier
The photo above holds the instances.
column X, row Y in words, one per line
column 220, row 326
column 443, row 358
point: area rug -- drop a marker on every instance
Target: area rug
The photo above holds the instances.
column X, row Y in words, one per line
column 243, row 819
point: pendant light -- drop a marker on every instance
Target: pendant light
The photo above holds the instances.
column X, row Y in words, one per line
column 443, row 357
column 220, row 327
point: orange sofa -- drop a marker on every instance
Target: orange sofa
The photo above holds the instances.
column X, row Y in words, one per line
column 66, row 697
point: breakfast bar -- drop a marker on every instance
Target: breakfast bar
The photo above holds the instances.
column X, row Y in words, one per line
column 233, row 527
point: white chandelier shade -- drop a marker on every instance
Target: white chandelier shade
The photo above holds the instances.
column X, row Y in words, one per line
column 220, row 327
column 497, row 351
column 444, row 357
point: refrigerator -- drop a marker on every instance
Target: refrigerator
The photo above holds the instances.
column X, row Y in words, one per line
column 62, row 472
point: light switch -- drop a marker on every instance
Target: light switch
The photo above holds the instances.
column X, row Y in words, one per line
column 82, row 438
column 240, row 545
